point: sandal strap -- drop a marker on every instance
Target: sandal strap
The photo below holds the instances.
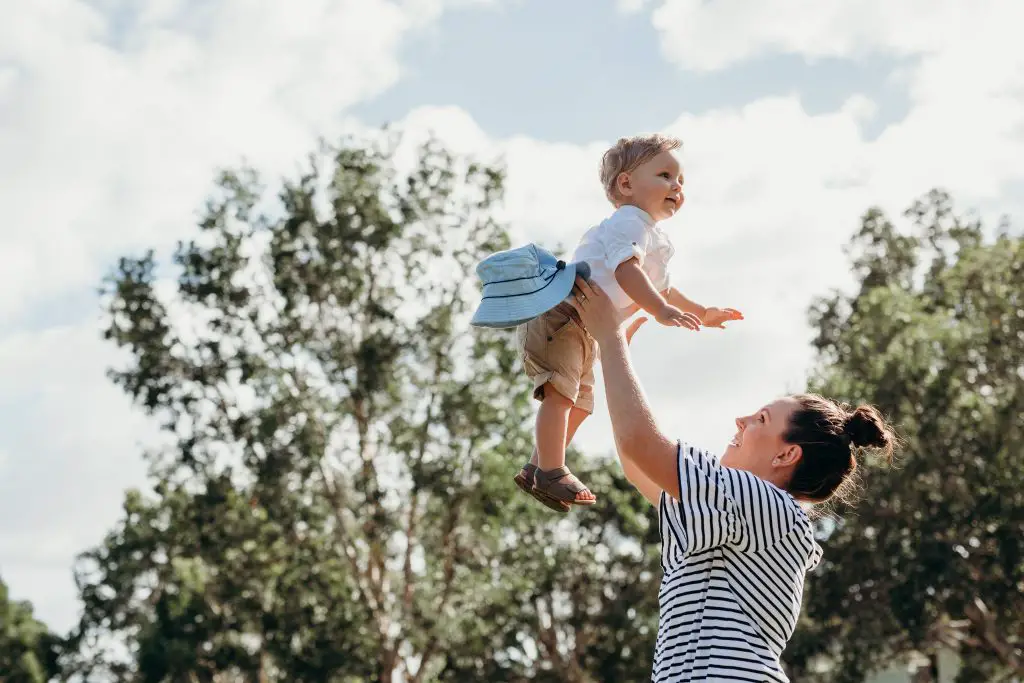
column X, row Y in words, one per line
column 574, row 485
column 549, row 479
column 555, row 474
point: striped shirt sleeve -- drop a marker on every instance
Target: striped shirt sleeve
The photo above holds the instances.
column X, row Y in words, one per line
column 720, row 506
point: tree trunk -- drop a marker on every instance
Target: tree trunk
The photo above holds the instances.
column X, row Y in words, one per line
column 388, row 659
column 927, row 672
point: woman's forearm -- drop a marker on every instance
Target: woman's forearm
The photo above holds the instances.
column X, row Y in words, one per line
column 637, row 437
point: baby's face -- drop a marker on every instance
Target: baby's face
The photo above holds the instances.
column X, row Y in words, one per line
column 656, row 186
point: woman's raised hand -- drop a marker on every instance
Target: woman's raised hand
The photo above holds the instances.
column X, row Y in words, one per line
column 597, row 312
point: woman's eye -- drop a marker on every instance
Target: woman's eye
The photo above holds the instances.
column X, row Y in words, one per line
column 761, row 418
column 664, row 175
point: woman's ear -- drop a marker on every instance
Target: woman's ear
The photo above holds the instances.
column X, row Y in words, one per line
column 788, row 457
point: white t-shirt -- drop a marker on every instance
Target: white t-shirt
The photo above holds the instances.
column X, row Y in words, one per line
column 735, row 550
column 626, row 233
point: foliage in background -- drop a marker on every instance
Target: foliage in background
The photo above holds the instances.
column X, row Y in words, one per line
column 28, row 651
column 336, row 501
column 933, row 557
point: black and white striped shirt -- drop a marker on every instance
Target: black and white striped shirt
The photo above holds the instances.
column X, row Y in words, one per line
column 735, row 550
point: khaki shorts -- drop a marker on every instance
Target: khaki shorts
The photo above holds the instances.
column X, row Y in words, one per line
column 556, row 349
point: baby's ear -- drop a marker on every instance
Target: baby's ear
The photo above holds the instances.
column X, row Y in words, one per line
column 623, row 184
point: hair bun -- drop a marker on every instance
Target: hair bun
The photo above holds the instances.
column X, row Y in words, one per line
column 865, row 428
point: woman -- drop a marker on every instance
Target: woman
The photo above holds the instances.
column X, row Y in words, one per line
column 736, row 543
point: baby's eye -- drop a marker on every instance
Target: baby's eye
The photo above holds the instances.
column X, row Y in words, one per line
column 761, row 418
column 664, row 175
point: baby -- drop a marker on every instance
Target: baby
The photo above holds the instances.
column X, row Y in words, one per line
column 628, row 255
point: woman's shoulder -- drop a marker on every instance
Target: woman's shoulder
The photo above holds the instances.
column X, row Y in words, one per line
column 751, row 495
column 739, row 481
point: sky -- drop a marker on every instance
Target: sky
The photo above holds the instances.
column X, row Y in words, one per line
column 796, row 116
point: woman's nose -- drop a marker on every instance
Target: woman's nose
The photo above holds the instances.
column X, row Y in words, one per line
column 739, row 423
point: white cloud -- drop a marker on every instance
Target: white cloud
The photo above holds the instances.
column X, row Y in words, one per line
column 964, row 74
column 712, row 34
column 630, row 6
column 114, row 116
column 72, row 444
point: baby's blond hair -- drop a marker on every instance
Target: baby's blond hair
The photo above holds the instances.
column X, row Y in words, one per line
column 629, row 153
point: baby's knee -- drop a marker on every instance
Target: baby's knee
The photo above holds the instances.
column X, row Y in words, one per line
column 552, row 398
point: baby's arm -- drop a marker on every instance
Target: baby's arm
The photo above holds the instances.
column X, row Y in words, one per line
column 709, row 316
column 637, row 286
column 674, row 297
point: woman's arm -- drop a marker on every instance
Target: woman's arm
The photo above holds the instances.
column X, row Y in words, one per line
column 647, row 488
column 708, row 505
column 637, row 437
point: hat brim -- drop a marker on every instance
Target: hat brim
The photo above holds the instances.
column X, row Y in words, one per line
column 514, row 311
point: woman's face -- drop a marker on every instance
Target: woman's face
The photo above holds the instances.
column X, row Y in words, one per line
column 759, row 447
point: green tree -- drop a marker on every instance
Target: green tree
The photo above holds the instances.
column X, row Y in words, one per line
column 335, row 500
column 933, row 557
column 28, row 651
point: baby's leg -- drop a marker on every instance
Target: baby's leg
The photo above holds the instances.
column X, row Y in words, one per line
column 576, row 418
column 552, row 429
column 557, row 422
column 583, row 406
column 525, row 478
column 555, row 354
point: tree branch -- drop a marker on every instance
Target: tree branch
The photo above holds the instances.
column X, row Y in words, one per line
column 548, row 637
column 450, row 551
column 987, row 631
column 341, row 532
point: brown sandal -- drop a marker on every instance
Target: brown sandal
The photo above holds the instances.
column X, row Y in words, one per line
column 525, row 479
column 559, row 485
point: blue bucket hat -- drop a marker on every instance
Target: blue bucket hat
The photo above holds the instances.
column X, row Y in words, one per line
column 520, row 284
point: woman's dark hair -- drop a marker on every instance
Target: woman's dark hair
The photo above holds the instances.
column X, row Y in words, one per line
column 831, row 435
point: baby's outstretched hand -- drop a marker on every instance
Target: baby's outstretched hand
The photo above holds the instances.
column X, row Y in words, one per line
column 716, row 317
column 673, row 317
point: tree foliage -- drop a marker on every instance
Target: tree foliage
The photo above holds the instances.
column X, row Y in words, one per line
column 334, row 501
column 28, row 651
column 933, row 557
